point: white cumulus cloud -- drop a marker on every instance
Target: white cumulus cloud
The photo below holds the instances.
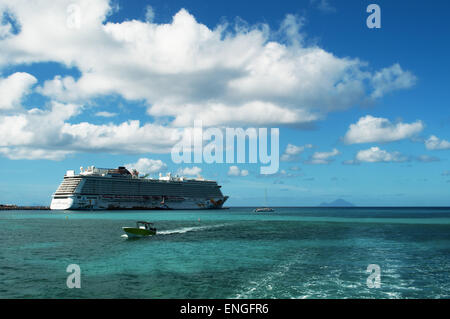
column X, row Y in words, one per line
column 14, row 88
column 147, row 166
column 323, row 5
column 371, row 129
column 186, row 70
column 375, row 155
column 390, row 79
column 105, row 114
column 435, row 143
column 323, row 157
column 236, row 171
column 190, row 171
column 181, row 70
column 292, row 152
column 46, row 134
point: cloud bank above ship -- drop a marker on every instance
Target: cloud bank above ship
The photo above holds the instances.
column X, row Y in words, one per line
column 234, row 74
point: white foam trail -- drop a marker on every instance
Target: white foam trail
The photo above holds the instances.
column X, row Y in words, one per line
column 124, row 236
column 265, row 283
column 187, row 229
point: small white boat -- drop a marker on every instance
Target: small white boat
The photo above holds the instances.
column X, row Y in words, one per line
column 264, row 210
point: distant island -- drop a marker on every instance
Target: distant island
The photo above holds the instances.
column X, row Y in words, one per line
column 337, row 203
column 16, row 207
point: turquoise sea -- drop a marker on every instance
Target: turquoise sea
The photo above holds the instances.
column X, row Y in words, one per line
column 232, row 253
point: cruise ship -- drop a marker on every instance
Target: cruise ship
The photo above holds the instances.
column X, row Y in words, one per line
column 103, row 188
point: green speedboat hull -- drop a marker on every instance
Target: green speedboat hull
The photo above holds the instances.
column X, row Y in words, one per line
column 138, row 232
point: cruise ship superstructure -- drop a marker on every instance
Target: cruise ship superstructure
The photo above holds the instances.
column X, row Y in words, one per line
column 100, row 188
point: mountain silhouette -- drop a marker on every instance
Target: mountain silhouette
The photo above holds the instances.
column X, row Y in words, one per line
column 337, row 203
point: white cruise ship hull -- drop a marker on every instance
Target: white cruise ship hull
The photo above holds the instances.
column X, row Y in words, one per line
column 100, row 203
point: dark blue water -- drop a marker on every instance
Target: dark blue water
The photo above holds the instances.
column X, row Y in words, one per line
column 235, row 253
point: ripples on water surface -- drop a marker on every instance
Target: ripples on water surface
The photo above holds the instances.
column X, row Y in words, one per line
column 292, row 253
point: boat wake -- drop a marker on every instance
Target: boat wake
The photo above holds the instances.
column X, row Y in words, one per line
column 264, row 285
column 188, row 229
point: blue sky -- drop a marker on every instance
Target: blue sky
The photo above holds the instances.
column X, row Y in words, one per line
column 363, row 113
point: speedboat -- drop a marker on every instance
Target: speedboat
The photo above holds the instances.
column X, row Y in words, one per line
column 264, row 210
column 142, row 229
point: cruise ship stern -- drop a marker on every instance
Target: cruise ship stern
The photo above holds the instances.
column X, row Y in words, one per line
column 62, row 203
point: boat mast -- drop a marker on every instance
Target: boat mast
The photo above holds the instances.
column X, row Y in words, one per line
column 265, row 197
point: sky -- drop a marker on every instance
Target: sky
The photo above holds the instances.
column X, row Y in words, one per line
column 362, row 113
